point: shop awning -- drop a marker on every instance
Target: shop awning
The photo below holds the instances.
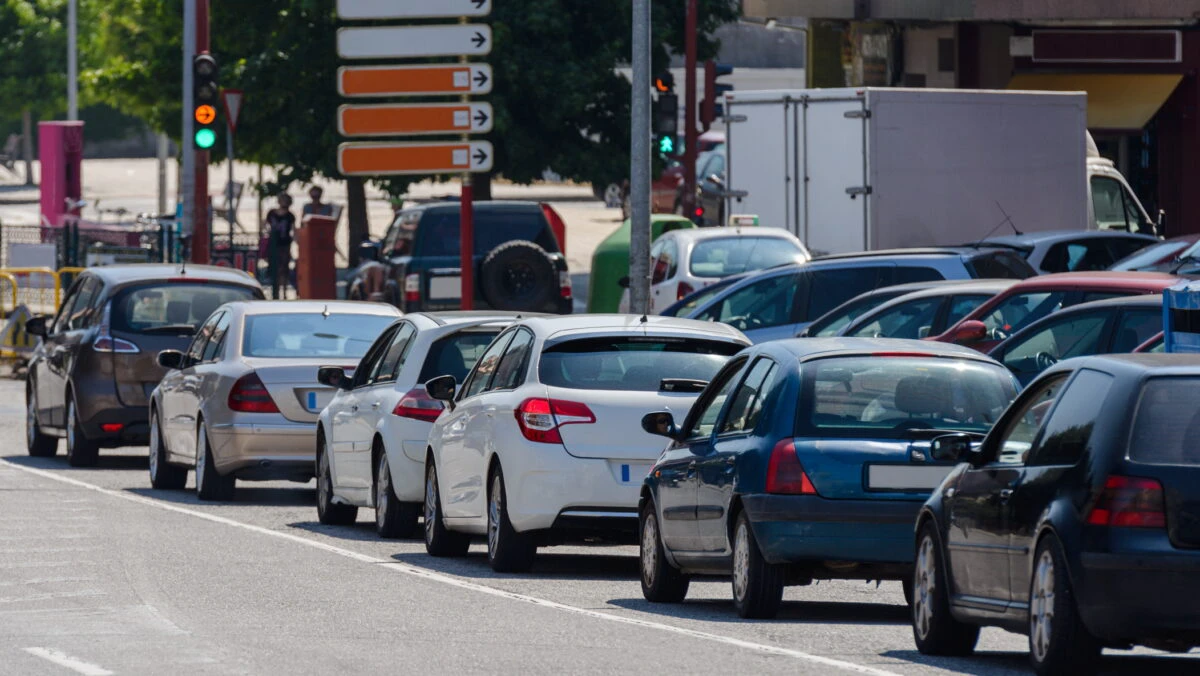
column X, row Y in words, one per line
column 1114, row 101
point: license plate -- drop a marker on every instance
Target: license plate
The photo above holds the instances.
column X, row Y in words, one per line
column 316, row 400
column 905, row 477
column 445, row 287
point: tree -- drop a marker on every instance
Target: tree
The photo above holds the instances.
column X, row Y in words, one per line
column 33, row 51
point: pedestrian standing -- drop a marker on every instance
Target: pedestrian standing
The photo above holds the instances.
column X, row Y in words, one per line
column 316, row 207
column 281, row 224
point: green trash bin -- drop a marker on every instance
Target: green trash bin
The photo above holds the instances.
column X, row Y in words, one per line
column 610, row 262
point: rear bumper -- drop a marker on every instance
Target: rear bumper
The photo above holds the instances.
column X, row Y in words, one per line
column 1133, row 598
column 552, row 489
column 802, row 528
column 265, row 451
column 134, row 430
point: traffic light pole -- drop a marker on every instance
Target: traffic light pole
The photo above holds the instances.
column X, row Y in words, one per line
column 639, row 163
column 690, row 140
column 200, row 234
column 188, row 165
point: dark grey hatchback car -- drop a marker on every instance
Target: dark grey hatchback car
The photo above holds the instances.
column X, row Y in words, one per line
column 91, row 376
column 1076, row 522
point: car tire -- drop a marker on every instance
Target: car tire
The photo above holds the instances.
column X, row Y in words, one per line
column 210, row 485
column 661, row 582
column 935, row 630
column 906, row 586
column 439, row 540
column 1058, row 641
column 81, row 451
column 163, row 475
column 757, row 585
column 37, row 443
column 393, row 519
column 508, row 551
column 518, row 275
column 330, row 513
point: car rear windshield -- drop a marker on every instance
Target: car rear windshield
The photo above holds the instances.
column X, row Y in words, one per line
column 297, row 335
column 734, row 255
column 886, row 397
column 999, row 265
column 1167, row 423
column 631, row 363
column 455, row 354
column 171, row 308
column 439, row 231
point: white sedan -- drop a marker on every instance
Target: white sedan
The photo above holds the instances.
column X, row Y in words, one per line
column 682, row 261
column 543, row 444
column 372, row 437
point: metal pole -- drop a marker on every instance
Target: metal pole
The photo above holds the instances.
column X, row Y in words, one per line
column 72, row 60
column 201, row 225
column 690, row 140
column 187, row 166
column 639, row 163
column 229, row 213
column 162, row 173
column 466, row 225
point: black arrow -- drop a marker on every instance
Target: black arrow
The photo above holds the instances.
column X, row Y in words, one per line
column 478, row 39
column 481, row 78
column 481, row 117
column 480, row 156
column 479, row 3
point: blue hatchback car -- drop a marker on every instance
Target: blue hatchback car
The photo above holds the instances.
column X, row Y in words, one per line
column 808, row 459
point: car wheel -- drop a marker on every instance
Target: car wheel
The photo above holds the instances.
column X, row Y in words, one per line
column 508, row 550
column 757, row 585
column 393, row 519
column 439, row 541
column 934, row 628
column 81, row 451
column 1058, row 641
column 906, row 586
column 38, row 445
column 210, row 485
column 329, row 512
column 661, row 582
column 163, row 475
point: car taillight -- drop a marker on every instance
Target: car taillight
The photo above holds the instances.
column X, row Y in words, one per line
column 1129, row 502
column 418, row 405
column 539, row 419
column 684, row 291
column 412, row 288
column 784, row 472
column 558, row 226
column 106, row 343
column 249, row 395
column 564, row 284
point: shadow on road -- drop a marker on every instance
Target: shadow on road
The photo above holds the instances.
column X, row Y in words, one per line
column 993, row 663
column 546, row 566
column 108, row 460
column 816, row 612
column 363, row 531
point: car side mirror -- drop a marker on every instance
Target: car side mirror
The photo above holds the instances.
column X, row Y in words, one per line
column 970, row 331
column 623, row 282
column 368, row 251
column 171, row 359
column 660, row 424
column 36, row 326
column 443, row 388
column 333, row 376
column 950, row 447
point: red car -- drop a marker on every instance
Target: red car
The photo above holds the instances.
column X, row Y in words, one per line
column 1034, row 298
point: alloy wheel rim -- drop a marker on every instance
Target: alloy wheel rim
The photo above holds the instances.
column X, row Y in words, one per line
column 649, row 549
column 430, row 504
column 741, row 562
column 154, row 447
column 924, row 588
column 494, row 515
column 1041, row 614
column 381, row 492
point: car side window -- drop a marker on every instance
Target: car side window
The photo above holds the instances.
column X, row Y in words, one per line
column 670, row 254
column 830, row 288
column 81, row 311
column 216, row 342
column 1075, row 336
column 913, row 320
column 1135, row 328
column 658, row 264
column 1069, row 428
column 68, row 306
column 485, row 368
column 1022, row 428
column 961, row 306
column 370, row 360
column 511, row 371
column 916, row 273
column 1122, row 247
column 1108, row 204
column 747, row 407
column 386, row 368
column 708, row 408
column 195, row 353
column 763, row 304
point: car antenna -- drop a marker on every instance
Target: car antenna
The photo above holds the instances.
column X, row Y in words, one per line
column 1007, row 221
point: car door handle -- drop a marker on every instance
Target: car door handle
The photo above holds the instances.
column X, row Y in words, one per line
column 1006, row 493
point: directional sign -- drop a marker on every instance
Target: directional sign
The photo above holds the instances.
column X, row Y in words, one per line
column 386, row 42
column 389, row 159
column 232, row 99
column 411, row 9
column 474, row 78
column 392, row 119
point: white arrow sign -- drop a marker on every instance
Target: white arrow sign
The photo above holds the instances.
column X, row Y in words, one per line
column 412, row 9
column 386, row 42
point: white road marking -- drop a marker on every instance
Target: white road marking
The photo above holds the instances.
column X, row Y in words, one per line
column 68, row 662
column 52, row 596
column 462, row 583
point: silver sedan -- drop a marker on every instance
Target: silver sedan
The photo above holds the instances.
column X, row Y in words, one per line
column 242, row 402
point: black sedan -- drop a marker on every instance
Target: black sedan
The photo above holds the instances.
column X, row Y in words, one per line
column 1076, row 521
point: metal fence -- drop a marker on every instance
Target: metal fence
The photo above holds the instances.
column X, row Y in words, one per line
column 87, row 245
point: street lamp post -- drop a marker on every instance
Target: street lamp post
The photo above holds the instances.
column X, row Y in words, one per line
column 72, row 60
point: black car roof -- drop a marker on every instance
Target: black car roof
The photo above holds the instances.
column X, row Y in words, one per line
column 117, row 275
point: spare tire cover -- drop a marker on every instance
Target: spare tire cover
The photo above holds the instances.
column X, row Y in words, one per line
column 518, row 275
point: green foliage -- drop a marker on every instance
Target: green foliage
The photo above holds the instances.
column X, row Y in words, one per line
column 33, row 56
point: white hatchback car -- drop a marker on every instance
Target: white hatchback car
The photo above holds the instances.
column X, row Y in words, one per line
column 371, row 438
column 544, row 444
column 682, row 261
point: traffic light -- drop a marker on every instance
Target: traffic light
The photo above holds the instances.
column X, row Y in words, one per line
column 665, row 83
column 666, row 123
column 205, row 94
column 710, row 108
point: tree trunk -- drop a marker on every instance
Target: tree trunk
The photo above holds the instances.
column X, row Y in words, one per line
column 356, row 208
column 27, row 143
column 482, row 186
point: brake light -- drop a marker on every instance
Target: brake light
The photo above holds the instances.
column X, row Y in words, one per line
column 249, row 395
column 699, row 211
column 106, row 343
column 539, row 419
column 564, row 284
column 558, row 226
column 1129, row 502
column 412, row 288
column 683, row 291
column 784, row 472
column 111, row 428
column 418, row 405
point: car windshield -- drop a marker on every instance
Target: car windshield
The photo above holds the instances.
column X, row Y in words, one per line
column 439, row 231
column 888, row 397
column 1167, row 423
column 297, row 335
column 726, row 256
column 1020, row 310
column 636, row 364
column 840, row 317
column 178, row 307
column 697, row 299
column 455, row 354
column 1154, row 254
column 1000, row 265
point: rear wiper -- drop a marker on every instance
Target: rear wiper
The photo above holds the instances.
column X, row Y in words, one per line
column 681, row 385
column 169, row 328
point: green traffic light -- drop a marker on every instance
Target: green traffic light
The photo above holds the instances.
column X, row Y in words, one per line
column 666, row 145
column 205, row 138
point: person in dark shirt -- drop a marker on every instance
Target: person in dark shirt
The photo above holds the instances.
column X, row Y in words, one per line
column 281, row 224
column 316, row 207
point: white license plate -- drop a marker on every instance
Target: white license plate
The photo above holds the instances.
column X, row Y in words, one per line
column 906, row 477
column 316, row 400
column 445, row 287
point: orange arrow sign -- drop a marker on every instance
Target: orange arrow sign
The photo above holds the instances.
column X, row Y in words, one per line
column 408, row 119
column 384, row 159
column 475, row 78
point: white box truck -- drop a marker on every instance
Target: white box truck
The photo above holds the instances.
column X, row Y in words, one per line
column 878, row 168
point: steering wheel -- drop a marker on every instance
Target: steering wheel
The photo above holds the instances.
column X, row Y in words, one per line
column 743, row 322
column 913, row 424
column 999, row 333
column 1045, row 360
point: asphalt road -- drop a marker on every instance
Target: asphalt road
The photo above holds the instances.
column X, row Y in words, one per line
column 100, row 574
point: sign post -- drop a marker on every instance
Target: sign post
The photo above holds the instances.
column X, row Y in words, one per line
column 231, row 100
